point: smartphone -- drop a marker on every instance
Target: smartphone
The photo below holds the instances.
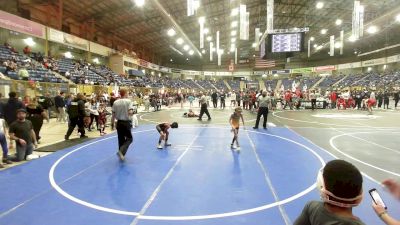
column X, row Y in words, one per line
column 377, row 198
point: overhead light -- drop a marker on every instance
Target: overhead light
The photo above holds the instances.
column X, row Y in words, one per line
column 254, row 45
column 312, row 39
column 319, row 5
column 191, row 52
column 235, row 12
column 187, row 59
column 319, row 47
column 233, row 40
column 96, row 60
column 233, row 33
column 324, row 31
column 315, row 45
column 234, row 24
column 139, row 3
column 29, row 41
column 171, row 32
column 369, row 69
column 202, row 19
column 339, row 22
column 338, row 45
column 352, row 38
column 171, row 60
column 372, row 29
column 186, row 47
column 209, row 38
column 254, row 56
column 203, row 51
column 68, row 55
column 398, row 18
column 206, row 31
column 179, row 41
column 384, row 67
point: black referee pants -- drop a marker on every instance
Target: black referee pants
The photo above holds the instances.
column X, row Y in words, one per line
column 262, row 111
column 124, row 135
column 204, row 110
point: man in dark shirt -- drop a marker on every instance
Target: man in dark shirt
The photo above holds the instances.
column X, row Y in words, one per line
column 214, row 97
column 11, row 107
column 22, row 132
column 396, row 98
column 222, row 97
column 76, row 113
column 60, row 106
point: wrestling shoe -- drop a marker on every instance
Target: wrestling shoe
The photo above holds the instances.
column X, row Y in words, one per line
column 121, row 156
column 233, row 146
column 167, row 144
column 159, row 147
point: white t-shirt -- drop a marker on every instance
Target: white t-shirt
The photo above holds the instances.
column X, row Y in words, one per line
column 2, row 124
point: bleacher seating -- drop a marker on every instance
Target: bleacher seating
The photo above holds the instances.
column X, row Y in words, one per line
column 270, row 84
column 235, row 84
column 330, row 80
column 36, row 73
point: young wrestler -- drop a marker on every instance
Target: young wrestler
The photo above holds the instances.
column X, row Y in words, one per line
column 190, row 114
column 370, row 102
column 234, row 122
column 102, row 118
column 162, row 128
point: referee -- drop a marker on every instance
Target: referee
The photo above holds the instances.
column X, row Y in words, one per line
column 122, row 109
column 263, row 103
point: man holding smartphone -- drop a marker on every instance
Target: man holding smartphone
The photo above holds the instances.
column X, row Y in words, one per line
column 379, row 206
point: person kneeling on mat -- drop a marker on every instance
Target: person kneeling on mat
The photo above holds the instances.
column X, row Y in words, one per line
column 340, row 186
column 162, row 128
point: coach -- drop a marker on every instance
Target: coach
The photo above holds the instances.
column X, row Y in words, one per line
column 122, row 110
column 263, row 103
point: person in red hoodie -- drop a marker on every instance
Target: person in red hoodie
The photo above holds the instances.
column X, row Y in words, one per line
column 288, row 99
column 333, row 98
column 341, row 102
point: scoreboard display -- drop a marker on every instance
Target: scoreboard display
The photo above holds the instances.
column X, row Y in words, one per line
column 286, row 42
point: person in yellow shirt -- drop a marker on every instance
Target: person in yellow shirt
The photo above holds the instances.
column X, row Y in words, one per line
column 235, row 122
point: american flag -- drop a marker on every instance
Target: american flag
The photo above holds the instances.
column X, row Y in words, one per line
column 261, row 63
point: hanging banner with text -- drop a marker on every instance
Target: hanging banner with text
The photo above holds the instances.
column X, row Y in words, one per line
column 64, row 38
column 303, row 70
column 324, row 68
column 19, row 24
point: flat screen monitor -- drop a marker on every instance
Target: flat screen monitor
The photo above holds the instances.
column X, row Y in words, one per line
column 286, row 42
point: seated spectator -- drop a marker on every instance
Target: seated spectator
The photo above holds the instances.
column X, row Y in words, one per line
column 23, row 74
column 394, row 188
column 27, row 50
column 340, row 185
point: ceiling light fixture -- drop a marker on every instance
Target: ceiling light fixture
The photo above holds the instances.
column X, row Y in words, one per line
column 254, row 45
column 203, row 51
column 235, row 12
column 372, row 29
column 234, row 24
column 352, row 38
column 202, row 19
column 319, row 5
column 179, row 41
column 324, row 31
column 312, row 39
column 186, row 47
column 233, row 33
column 191, row 52
column 209, row 38
column 206, row 31
column 171, row 32
column 139, row 3
column 233, row 40
column 339, row 22
column 398, row 18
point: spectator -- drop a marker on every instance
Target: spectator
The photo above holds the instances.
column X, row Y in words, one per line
column 394, row 189
column 22, row 132
column 3, row 143
column 59, row 102
column 27, row 50
column 36, row 115
column 340, row 185
column 46, row 103
column 76, row 113
column 23, row 74
column 11, row 107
